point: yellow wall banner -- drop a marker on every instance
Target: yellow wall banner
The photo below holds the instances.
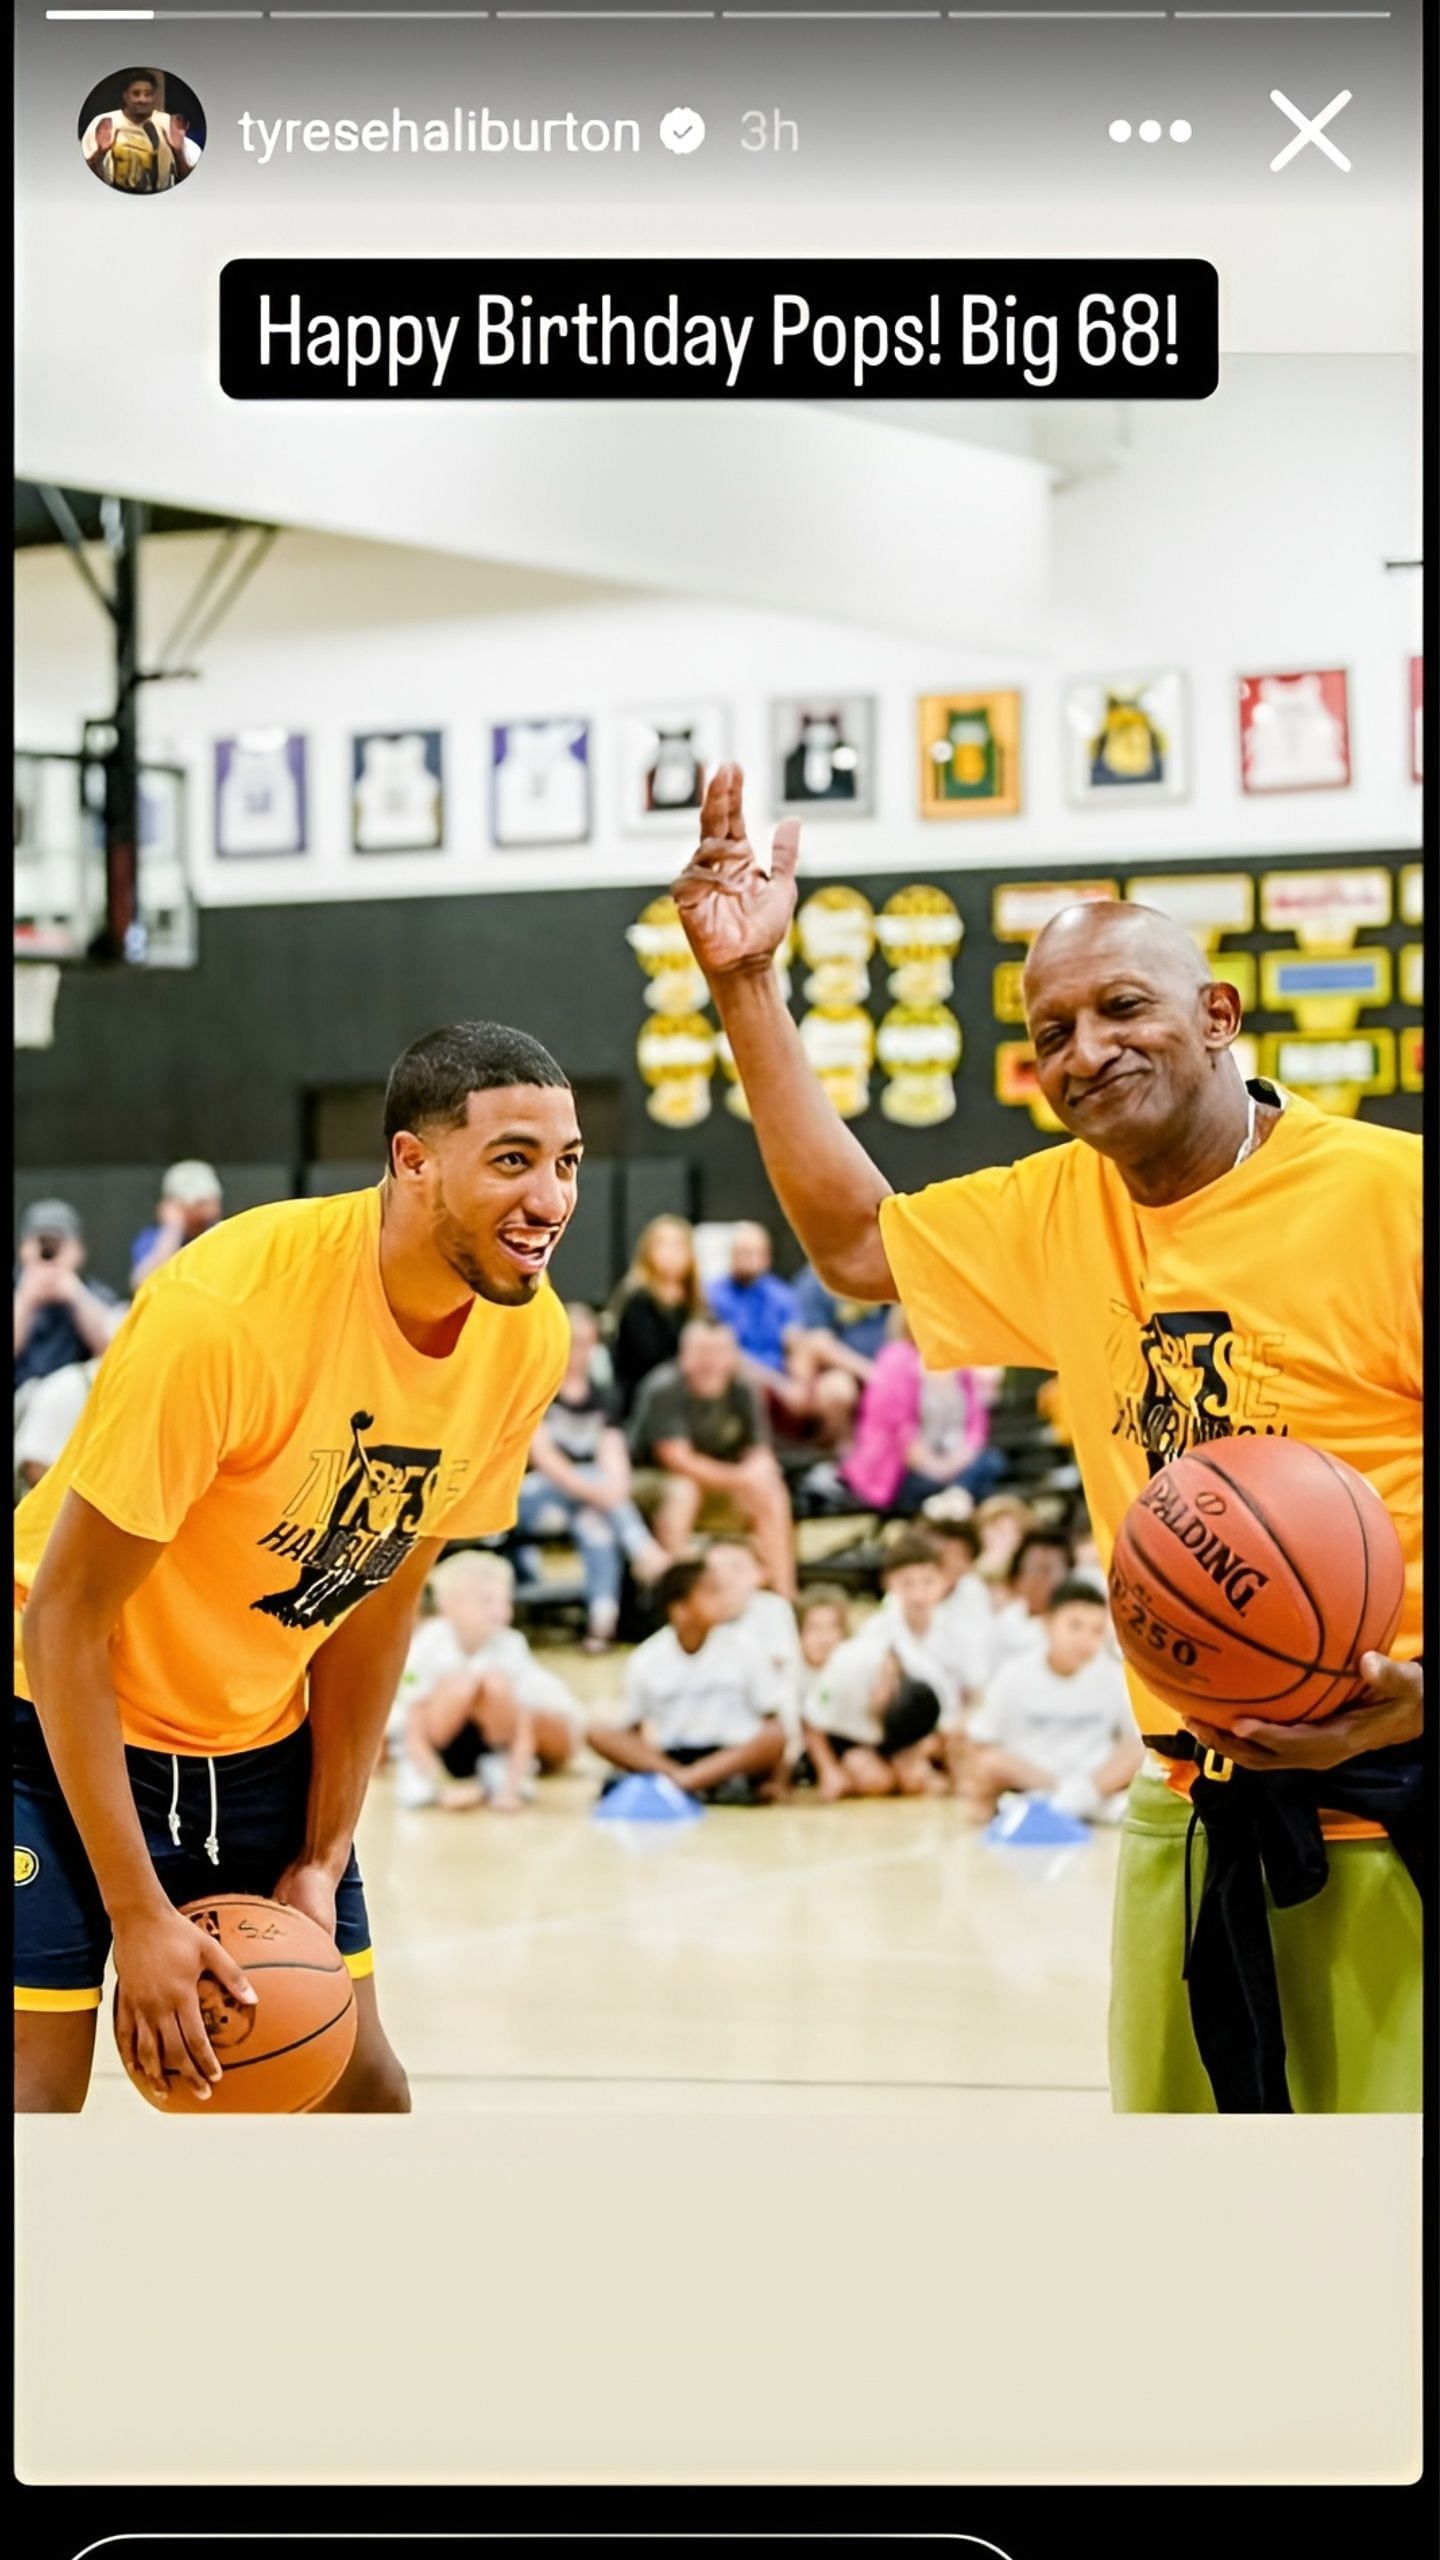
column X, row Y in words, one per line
column 1325, row 909
column 1337, row 1074
column 1324, row 990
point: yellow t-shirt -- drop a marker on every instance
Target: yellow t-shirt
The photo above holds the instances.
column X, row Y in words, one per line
column 261, row 1414
column 1284, row 1297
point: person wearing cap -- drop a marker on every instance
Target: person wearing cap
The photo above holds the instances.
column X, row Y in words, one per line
column 59, row 1317
column 190, row 1202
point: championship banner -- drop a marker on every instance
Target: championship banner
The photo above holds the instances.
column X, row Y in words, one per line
column 1324, row 992
column 1018, row 1084
column 839, row 1043
column 1023, row 908
column 918, row 1047
column 1412, row 1060
column 657, row 938
column 1207, row 903
column 1325, row 909
column 1412, row 973
column 920, row 930
column 676, row 1057
column 835, row 933
column 1337, row 1074
column 676, row 1048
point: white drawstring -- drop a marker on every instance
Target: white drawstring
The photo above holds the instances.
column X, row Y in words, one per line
column 212, row 1845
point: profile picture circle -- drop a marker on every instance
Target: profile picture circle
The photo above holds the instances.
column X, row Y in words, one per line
column 142, row 131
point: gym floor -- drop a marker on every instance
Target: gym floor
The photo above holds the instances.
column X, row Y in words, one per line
column 792, row 1948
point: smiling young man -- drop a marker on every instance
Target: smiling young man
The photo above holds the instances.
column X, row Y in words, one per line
column 136, row 147
column 216, row 1583
column 1212, row 1258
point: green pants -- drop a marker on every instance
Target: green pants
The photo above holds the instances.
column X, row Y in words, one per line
column 1347, row 1963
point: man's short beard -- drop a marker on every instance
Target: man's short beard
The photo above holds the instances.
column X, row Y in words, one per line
column 451, row 1245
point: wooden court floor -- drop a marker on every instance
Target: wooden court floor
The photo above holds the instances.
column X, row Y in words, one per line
column 791, row 1949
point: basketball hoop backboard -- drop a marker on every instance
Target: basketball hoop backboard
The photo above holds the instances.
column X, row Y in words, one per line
column 60, row 900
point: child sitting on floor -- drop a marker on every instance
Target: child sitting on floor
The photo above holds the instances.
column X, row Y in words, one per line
column 1056, row 1722
column 876, row 1713
column 475, row 1713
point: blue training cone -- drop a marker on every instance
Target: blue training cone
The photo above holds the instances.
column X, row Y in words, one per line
column 1031, row 1822
column 645, row 1799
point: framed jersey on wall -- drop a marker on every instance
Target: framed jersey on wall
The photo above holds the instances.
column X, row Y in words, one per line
column 260, row 793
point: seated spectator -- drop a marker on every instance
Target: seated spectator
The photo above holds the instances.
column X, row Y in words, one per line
column 1056, row 1721
column 762, row 1615
column 657, row 1298
column 810, row 1380
column 475, row 1713
column 828, row 1361
column 823, row 1618
column 702, row 1705
column 851, row 1328
column 1041, row 1563
column 758, row 1306
column 190, row 1203
column 61, row 1320
column 1002, row 1519
column 917, row 1431
column 579, row 1486
column 698, row 1423
column 877, row 1714
column 962, row 1636
column 50, row 1409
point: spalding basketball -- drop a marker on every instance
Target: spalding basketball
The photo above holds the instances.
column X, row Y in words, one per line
column 1250, row 1576
column 286, row 2052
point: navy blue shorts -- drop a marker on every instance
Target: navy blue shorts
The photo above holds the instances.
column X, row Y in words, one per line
column 62, row 1930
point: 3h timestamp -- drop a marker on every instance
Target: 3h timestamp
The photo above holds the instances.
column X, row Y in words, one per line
column 765, row 129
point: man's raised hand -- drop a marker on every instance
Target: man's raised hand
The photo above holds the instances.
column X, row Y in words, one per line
column 735, row 908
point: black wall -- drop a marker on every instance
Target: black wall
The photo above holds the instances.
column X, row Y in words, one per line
column 217, row 1061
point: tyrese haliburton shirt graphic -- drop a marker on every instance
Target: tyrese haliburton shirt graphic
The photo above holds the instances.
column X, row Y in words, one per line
column 352, row 1521
column 1187, row 1378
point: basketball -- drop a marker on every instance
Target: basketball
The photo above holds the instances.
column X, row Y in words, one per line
column 287, row 2052
column 1250, row 1576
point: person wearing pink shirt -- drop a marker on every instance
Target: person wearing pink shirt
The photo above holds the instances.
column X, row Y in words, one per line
column 918, row 1433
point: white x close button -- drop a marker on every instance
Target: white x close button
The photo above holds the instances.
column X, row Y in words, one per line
column 1311, row 129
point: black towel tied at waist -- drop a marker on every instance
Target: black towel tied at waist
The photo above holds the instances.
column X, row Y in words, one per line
column 1263, row 1829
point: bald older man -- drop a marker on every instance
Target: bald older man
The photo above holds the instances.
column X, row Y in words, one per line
column 1211, row 1258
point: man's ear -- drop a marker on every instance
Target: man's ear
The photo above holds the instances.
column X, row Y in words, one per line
column 409, row 1156
column 1223, row 1013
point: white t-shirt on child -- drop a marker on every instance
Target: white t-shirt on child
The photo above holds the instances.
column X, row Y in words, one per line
column 1065, row 1723
column 962, row 1634
column 716, row 1697
column 436, row 1653
column 1015, row 1633
column 840, row 1695
column 769, row 1623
